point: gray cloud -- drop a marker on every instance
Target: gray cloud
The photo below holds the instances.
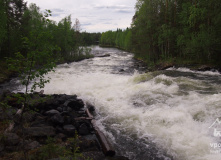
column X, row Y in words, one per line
column 125, row 11
column 57, row 10
column 55, row 15
column 94, row 15
column 86, row 24
column 114, row 7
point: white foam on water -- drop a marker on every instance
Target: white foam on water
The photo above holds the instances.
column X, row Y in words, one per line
column 192, row 71
column 147, row 105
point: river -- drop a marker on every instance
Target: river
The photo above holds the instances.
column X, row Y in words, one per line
column 161, row 115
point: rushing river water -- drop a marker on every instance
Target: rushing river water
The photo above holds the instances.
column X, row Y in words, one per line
column 157, row 115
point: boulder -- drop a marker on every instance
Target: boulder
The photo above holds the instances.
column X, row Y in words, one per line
column 62, row 99
column 39, row 121
column 69, row 130
column 40, row 131
column 52, row 112
column 104, row 55
column 67, row 109
column 75, row 104
column 90, row 107
column 121, row 70
column 204, row 68
column 57, row 119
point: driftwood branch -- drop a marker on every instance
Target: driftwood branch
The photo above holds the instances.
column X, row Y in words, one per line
column 105, row 144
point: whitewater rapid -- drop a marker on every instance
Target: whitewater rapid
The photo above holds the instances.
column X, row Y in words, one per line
column 158, row 115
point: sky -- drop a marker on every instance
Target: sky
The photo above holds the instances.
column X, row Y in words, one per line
column 94, row 15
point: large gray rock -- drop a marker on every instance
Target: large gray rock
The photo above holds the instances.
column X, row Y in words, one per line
column 57, row 119
column 69, row 130
column 75, row 104
column 40, row 131
column 52, row 112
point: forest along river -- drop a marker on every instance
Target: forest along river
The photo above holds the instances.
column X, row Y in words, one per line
column 156, row 115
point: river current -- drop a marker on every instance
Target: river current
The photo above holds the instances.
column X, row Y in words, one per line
column 162, row 115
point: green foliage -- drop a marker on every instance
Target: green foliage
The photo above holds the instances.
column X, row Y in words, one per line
column 73, row 151
column 3, row 22
column 48, row 151
column 178, row 29
column 88, row 39
column 4, row 107
column 175, row 29
column 119, row 38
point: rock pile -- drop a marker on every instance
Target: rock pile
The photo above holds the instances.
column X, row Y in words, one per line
column 57, row 116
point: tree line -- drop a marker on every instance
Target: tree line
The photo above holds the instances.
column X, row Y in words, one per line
column 120, row 38
column 24, row 29
column 173, row 30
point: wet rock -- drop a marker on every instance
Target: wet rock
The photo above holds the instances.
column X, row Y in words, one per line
column 121, row 70
column 52, row 112
column 55, row 104
column 57, row 119
column 62, row 99
column 90, row 107
column 69, row 130
column 39, row 121
column 67, row 109
column 104, row 55
column 204, row 68
column 75, row 104
column 40, row 131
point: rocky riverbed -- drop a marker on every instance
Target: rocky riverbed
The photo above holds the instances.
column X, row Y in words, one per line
column 51, row 127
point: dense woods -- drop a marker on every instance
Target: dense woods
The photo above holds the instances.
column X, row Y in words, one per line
column 25, row 29
column 172, row 30
column 119, row 38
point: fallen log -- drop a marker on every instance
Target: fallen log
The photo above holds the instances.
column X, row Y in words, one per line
column 82, row 118
column 105, row 144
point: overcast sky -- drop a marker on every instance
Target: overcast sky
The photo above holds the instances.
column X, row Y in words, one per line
column 94, row 15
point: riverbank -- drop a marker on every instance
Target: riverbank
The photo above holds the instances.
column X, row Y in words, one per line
column 6, row 75
column 172, row 62
column 53, row 126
